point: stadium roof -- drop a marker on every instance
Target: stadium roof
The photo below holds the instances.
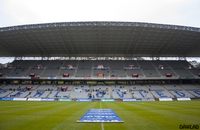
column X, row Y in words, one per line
column 127, row 39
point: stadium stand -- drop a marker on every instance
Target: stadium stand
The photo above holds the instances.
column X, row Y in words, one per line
column 100, row 60
column 57, row 68
column 101, row 92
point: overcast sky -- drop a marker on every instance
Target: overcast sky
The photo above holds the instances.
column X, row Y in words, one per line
column 179, row 12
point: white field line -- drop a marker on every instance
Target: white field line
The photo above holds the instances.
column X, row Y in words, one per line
column 102, row 125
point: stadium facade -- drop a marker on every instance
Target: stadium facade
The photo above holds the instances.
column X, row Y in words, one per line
column 104, row 61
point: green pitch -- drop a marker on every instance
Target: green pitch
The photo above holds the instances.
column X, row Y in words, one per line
column 63, row 115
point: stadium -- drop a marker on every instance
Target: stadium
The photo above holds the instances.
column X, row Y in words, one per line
column 61, row 71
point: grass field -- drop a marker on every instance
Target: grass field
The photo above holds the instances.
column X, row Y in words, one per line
column 63, row 115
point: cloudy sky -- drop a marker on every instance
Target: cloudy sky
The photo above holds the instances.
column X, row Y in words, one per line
column 179, row 12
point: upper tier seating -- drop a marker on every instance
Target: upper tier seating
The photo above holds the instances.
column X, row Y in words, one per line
column 100, row 69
